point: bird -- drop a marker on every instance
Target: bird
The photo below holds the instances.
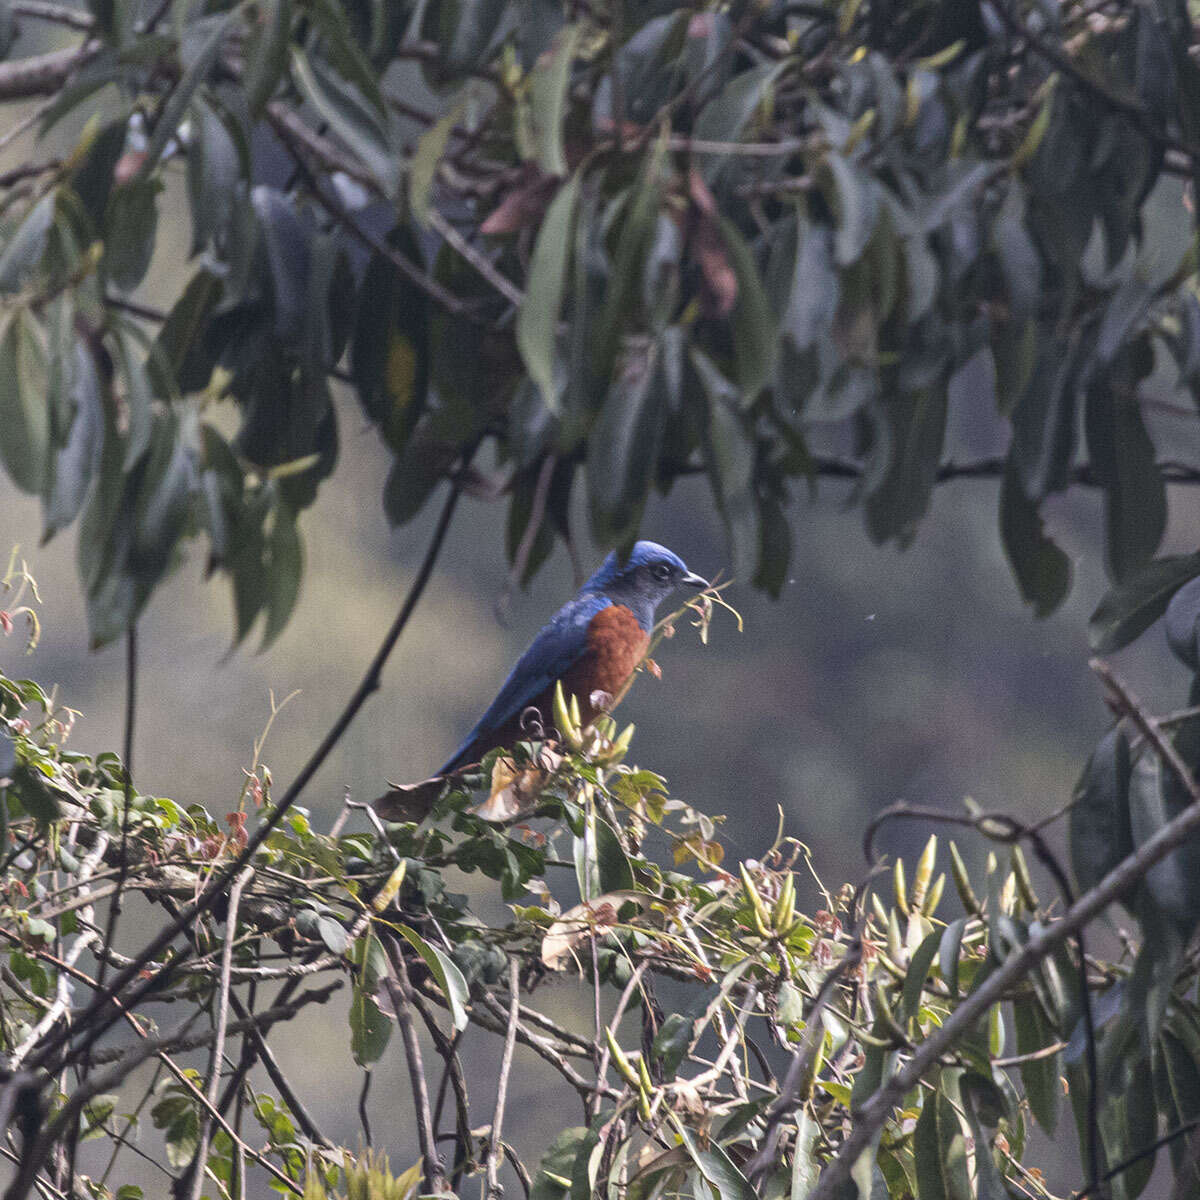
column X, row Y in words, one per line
column 592, row 645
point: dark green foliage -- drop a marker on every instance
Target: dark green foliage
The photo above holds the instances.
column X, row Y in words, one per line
column 810, row 233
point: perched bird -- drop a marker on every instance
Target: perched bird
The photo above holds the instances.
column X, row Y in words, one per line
column 593, row 643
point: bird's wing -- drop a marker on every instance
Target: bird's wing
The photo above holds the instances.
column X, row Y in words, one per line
column 553, row 652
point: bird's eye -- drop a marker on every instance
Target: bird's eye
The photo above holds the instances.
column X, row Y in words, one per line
column 661, row 571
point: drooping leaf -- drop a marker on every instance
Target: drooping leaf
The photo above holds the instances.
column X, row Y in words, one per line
column 24, row 416
column 448, row 977
column 1134, row 605
column 548, row 96
column 23, row 250
column 1041, row 567
column 537, row 322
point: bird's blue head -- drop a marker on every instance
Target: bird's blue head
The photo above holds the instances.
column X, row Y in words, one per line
column 643, row 580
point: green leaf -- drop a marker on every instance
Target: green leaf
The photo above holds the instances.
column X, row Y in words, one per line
column 212, row 32
column 284, row 568
column 24, row 249
column 1042, row 568
column 755, row 329
column 552, row 1181
column 215, row 168
column 448, row 977
column 949, row 950
column 178, row 362
column 717, row 1168
column 729, row 451
column 129, row 229
column 1100, row 834
column 73, row 465
column 918, row 971
column 267, row 52
column 1122, row 456
column 1135, row 604
column 424, row 163
column 857, row 199
column 537, row 322
column 548, row 97
column 1039, row 1076
column 24, row 415
column 724, row 117
column 623, row 448
column 916, row 426
column 352, row 118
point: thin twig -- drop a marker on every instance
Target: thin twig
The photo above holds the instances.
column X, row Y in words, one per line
column 218, row 1047
column 401, row 992
column 491, row 1187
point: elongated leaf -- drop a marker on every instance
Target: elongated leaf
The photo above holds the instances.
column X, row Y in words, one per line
column 1040, row 1076
column 24, row 416
column 71, row 467
column 623, row 449
column 1042, row 568
column 1100, row 830
column 23, row 251
column 1134, row 605
column 449, row 978
column 755, row 329
column 918, row 970
column 537, row 322
column 353, row 119
column 428, row 154
column 172, row 113
column 370, row 1028
column 548, row 95
column 267, row 55
column 1122, row 455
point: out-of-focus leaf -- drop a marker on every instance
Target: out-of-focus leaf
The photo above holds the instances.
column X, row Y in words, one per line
column 1042, row 568
column 463, row 31
column 729, row 450
column 1134, row 605
column 857, row 199
column 351, row 116
column 537, row 322
column 1183, row 624
column 548, row 96
column 447, row 976
column 24, row 416
column 1044, row 425
column 1100, row 831
column 130, row 222
column 1172, row 885
column 215, row 168
column 814, row 297
column 623, row 448
column 289, row 245
column 755, row 331
column 1040, row 1076
column 423, row 166
column 725, row 116
column 72, row 466
column 23, row 251
column 267, row 52
column 917, row 425
column 1122, row 455
column 177, row 361
column 210, row 34
column 285, row 569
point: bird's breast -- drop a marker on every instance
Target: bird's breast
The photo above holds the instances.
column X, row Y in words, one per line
column 615, row 645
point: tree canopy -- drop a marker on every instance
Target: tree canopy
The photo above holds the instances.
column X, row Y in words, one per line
column 765, row 242
column 581, row 250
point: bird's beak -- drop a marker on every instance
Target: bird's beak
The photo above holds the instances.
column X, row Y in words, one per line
column 691, row 579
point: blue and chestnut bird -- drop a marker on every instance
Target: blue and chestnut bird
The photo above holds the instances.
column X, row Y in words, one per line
column 592, row 644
